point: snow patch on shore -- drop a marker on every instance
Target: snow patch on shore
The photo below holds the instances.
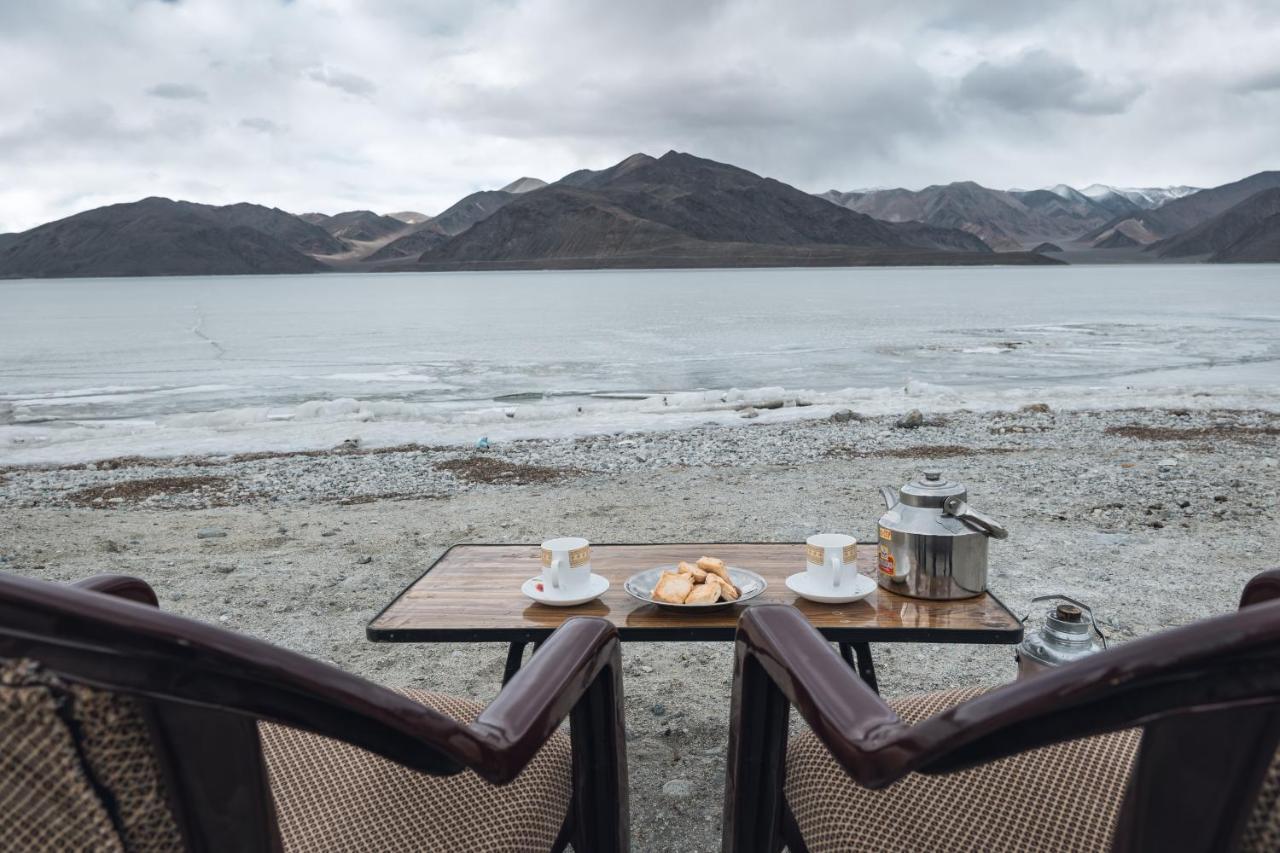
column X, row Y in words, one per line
column 320, row 424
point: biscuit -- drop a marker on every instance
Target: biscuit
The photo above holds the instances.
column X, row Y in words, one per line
column 704, row 593
column 715, row 566
column 699, row 575
column 728, row 590
column 672, row 588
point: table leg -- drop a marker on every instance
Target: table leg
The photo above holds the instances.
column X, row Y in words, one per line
column 515, row 654
column 865, row 666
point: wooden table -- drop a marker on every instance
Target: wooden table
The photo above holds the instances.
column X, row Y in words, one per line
column 472, row 594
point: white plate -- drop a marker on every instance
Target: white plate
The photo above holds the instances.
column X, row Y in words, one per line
column 596, row 587
column 641, row 584
column 802, row 585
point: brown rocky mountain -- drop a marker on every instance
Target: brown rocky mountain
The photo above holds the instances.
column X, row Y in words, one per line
column 1183, row 214
column 1221, row 232
column 1005, row 220
column 157, row 236
column 420, row 238
column 359, row 225
column 680, row 209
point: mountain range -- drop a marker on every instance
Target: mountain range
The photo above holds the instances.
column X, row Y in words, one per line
column 677, row 210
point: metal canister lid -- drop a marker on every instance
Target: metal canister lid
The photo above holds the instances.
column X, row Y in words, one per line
column 930, row 489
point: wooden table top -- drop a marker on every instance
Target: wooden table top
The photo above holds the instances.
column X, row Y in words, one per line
column 472, row 594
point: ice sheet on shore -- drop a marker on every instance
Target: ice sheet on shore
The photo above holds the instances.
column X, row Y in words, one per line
column 319, row 424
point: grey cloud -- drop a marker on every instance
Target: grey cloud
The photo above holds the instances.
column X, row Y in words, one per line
column 1267, row 81
column 261, row 125
column 1039, row 80
column 178, row 92
column 352, row 84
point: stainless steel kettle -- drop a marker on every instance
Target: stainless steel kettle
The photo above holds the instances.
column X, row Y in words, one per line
column 932, row 543
column 1067, row 633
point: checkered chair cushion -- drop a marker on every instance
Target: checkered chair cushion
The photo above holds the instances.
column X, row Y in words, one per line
column 333, row 796
column 1064, row 797
column 77, row 771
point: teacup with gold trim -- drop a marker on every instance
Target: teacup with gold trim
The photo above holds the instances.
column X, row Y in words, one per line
column 831, row 559
column 566, row 563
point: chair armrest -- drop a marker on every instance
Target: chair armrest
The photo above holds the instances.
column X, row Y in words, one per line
column 1224, row 665
column 121, row 586
column 1263, row 586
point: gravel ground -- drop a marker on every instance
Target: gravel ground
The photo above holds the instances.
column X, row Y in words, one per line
column 1155, row 517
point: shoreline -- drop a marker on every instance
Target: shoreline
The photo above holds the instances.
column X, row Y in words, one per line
column 1154, row 517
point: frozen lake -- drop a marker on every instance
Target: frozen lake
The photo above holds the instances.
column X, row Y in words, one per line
column 92, row 368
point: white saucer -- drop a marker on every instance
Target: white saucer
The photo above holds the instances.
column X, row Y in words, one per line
column 802, row 585
column 596, row 586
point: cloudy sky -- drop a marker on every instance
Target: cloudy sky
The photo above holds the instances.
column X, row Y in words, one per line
column 395, row 104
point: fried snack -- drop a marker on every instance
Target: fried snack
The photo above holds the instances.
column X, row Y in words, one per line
column 684, row 568
column 704, row 593
column 715, row 566
column 673, row 588
column 728, row 591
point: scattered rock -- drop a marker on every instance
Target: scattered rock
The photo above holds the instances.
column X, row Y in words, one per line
column 677, row 788
column 772, row 404
column 913, row 419
column 1167, row 464
column 211, row 533
column 844, row 416
column 365, row 560
column 1036, row 408
column 349, row 444
column 659, row 709
column 749, row 412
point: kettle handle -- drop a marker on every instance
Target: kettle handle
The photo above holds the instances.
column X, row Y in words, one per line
column 890, row 495
column 1086, row 608
column 956, row 506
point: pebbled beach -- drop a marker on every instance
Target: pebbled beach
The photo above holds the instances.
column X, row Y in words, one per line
column 1154, row 517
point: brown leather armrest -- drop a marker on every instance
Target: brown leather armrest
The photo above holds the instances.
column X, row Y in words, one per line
column 121, row 586
column 113, row 642
column 1264, row 586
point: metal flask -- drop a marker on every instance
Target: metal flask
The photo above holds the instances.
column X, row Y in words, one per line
column 932, row 543
column 1067, row 633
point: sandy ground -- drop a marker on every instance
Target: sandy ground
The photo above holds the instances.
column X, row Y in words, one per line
column 315, row 545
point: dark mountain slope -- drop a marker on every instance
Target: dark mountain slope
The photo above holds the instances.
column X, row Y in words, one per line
column 1223, row 230
column 154, row 236
column 472, row 209
column 290, row 230
column 645, row 211
column 1260, row 243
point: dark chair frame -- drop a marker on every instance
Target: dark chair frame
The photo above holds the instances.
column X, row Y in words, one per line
column 204, row 689
column 1206, row 695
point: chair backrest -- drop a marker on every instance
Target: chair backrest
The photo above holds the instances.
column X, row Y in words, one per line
column 124, row 727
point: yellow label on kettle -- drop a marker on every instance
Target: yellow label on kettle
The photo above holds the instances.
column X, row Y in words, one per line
column 886, row 560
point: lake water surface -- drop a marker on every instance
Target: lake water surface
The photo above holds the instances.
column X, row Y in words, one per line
column 100, row 367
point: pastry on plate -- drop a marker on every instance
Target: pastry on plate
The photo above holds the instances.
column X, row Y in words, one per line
column 699, row 575
column 704, row 593
column 673, row 588
column 727, row 590
column 715, row 566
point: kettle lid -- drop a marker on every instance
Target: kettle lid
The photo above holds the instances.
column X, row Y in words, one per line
column 930, row 489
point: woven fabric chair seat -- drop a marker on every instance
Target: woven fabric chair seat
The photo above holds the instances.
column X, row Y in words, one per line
column 1064, row 797
column 333, row 796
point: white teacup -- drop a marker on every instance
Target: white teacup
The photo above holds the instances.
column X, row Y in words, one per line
column 832, row 559
column 566, row 564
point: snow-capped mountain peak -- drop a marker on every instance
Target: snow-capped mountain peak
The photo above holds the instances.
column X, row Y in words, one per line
column 1145, row 197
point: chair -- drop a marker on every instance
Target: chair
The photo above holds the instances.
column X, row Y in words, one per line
column 1164, row 743
column 123, row 727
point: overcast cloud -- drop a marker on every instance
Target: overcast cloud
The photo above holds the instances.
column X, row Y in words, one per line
column 394, row 104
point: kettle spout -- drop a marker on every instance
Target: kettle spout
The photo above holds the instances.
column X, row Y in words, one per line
column 890, row 495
